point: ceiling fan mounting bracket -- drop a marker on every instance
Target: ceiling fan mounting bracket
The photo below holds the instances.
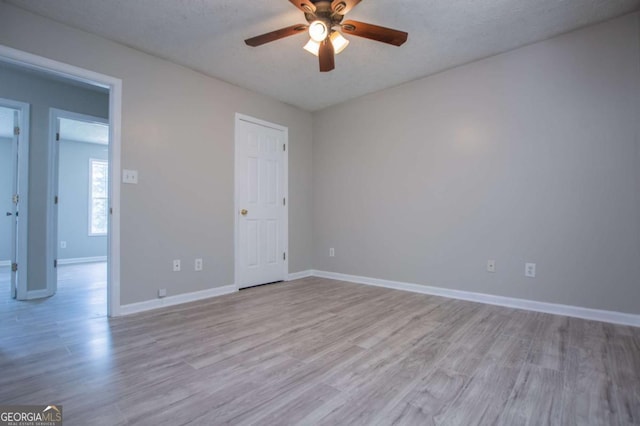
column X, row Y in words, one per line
column 326, row 13
column 325, row 42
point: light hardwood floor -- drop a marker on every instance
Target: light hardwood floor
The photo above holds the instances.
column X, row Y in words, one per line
column 317, row 351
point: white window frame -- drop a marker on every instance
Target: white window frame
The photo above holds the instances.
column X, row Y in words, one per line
column 91, row 197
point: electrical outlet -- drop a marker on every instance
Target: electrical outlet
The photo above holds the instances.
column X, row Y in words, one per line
column 491, row 265
column 198, row 265
column 176, row 265
column 162, row 292
column 530, row 270
column 332, row 252
column 63, row 244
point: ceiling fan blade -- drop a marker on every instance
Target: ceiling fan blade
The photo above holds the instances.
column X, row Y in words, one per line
column 304, row 5
column 374, row 32
column 275, row 35
column 326, row 56
column 341, row 7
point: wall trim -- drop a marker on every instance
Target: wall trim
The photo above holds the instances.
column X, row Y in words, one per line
column 178, row 299
column 5, row 263
column 299, row 275
column 37, row 294
column 490, row 299
column 75, row 260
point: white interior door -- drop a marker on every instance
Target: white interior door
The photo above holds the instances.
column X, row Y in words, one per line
column 14, row 213
column 14, row 124
column 261, row 207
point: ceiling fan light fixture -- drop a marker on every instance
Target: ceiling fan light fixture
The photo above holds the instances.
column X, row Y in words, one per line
column 318, row 31
column 312, row 47
column 339, row 42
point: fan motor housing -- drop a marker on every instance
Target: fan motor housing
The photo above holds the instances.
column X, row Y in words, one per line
column 324, row 13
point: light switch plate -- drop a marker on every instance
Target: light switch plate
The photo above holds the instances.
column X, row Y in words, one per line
column 130, row 176
column 491, row 265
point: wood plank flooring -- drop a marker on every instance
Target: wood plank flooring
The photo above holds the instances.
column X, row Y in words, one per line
column 316, row 351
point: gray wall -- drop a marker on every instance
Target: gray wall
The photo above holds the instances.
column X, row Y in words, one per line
column 73, row 209
column 5, row 198
column 530, row 156
column 178, row 132
column 43, row 94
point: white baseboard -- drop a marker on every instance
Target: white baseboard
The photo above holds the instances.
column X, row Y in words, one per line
column 75, row 260
column 510, row 302
column 5, row 263
column 37, row 294
column 299, row 275
column 175, row 300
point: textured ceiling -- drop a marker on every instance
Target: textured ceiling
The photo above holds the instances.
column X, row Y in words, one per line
column 207, row 35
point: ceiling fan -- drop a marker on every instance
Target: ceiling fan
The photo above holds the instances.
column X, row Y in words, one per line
column 325, row 41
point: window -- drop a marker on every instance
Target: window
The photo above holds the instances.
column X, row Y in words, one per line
column 98, row 202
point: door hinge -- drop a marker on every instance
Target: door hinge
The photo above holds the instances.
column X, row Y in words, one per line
column 57, row 137
column 15, row 198
column 55, row 263
column 14, row 267
column 284, row 146
column 55, row 200
column 110, row 210
column 284, row 256
column 16, row 131
column 284, row 201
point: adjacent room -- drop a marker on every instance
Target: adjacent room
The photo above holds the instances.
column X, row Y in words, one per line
column 320, row 212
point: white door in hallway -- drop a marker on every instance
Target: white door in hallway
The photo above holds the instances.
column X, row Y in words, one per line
column 261, row 204
column 14, row 194
column 14, row 213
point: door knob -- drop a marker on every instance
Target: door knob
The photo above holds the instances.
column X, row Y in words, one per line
column 9, row 214
column 243, row 212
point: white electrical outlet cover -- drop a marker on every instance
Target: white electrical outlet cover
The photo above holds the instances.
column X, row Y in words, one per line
column 530, row 270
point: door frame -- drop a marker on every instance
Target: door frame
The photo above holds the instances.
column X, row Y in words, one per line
column 53, row 188
column 114, row 85
column 285, row 193
column 23, row 182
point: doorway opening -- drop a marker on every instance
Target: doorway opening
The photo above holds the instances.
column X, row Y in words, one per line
column 43, row 245
column 80, row 157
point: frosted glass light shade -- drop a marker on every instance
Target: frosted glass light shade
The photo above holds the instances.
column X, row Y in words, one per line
column 312, row 47
column 318, row 31
column 339, row 42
